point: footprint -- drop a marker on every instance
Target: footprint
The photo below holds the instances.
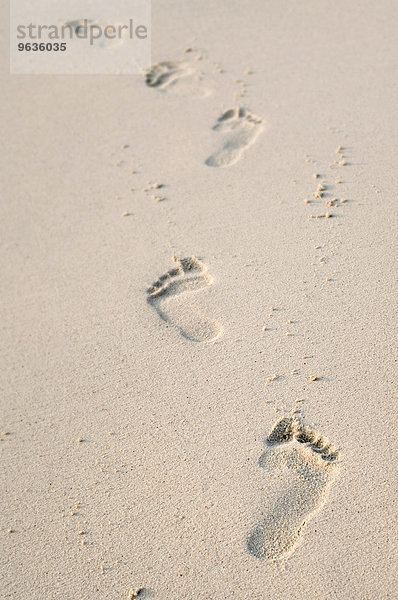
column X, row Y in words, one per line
column 170, row 297
column 180, row 78
column 240, row 128
column 82, row 27
column 305, row 465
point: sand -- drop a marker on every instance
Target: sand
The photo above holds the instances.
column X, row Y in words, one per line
column 198, row 341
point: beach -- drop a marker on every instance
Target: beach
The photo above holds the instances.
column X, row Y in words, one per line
column 199, row 292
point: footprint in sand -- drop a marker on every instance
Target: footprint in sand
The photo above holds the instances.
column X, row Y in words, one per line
column 82, row 27
column 180, row 78
column 239, row 129
column 305, row 465
column 171, row 297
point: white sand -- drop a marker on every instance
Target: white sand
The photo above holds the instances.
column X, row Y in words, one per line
column 132, row 454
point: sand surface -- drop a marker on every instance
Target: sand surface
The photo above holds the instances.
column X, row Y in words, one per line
column 227, row 430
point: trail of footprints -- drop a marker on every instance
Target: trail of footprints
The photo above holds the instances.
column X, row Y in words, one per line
column 237, row 128
column 302, row 462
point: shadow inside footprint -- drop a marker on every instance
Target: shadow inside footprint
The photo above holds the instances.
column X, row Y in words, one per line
column 305, row 464
column 239, row 129
column 169, row 296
